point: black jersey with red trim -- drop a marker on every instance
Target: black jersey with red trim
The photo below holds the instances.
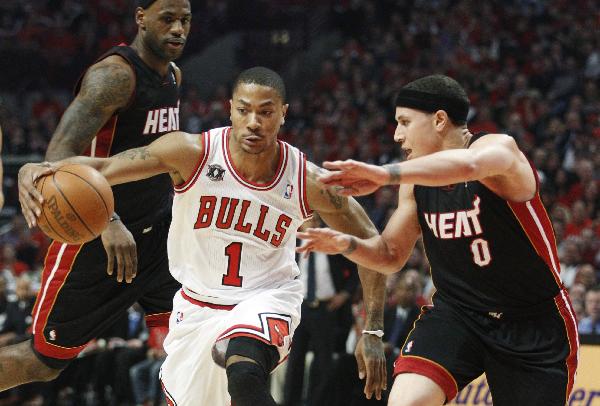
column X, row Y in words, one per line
column 153, row 110
column 487, row 253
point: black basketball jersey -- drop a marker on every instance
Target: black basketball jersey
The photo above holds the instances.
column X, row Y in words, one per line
column 487, row 253
column 152, row 111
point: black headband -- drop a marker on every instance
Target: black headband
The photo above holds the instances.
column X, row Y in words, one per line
column 145, row 3
column 456, row 109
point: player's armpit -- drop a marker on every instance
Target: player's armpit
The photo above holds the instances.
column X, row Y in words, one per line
column 106, row 87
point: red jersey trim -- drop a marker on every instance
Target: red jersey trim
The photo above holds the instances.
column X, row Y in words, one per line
column 567, row 313
column 534, row 221
column 55, row 273
column 102, row 143
column 430, row 369
column 283, row 159
column 205, row 304
column 199, row 166
column 304, row 206
column 158, row 319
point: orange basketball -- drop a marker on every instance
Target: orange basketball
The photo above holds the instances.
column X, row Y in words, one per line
column 78, row 203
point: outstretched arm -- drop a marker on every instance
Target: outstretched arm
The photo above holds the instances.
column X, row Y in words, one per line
column 386, row 253
column 347, row 216
column 492, row 159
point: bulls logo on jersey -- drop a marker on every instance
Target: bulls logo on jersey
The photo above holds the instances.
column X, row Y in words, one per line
column 215, row 172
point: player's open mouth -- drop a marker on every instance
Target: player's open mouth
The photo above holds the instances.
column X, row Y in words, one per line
column 176, row 43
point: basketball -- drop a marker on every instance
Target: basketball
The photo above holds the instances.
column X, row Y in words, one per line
column 78, row 203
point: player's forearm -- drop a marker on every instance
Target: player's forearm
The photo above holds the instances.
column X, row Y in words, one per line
column 373, row 286
column 447, row 167
column 374, row 253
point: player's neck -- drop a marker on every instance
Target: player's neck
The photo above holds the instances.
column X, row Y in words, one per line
column 157, row 64
column 457, row 137
column 258, row 168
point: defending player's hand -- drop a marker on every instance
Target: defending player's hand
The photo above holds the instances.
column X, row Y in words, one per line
column 370, row 357
column 324, row 240
column 30, row 198
column 353, row 178
column 120, row 246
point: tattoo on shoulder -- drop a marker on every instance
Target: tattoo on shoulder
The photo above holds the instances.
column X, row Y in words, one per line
column 133, row 154
column 107, row 85
column 395, row 174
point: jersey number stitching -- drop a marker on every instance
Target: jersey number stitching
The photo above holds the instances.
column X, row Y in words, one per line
column 234, row 256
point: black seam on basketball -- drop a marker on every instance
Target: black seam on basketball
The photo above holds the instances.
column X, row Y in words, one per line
column 56, row 185
column 93, row 188
column 46, row 217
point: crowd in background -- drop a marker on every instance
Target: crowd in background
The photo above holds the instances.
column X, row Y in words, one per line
column 531, row 69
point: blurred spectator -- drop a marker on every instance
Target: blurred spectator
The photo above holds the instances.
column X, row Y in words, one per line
column 17, row 325
column 144, row 375
column 591, row 324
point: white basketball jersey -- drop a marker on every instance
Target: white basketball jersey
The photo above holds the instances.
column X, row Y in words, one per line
column 231, row 238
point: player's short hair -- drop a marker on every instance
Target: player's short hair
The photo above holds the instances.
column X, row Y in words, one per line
column 260, row 75
column 433, row 93
column 145, row 3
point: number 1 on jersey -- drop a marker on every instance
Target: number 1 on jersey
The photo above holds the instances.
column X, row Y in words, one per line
column 234, row 253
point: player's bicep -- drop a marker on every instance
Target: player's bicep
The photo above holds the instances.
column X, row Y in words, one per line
column 105, row 88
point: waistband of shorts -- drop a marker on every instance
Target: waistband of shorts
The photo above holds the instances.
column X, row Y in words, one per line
column 551, row 305
column 196, row 299
column 145, row 225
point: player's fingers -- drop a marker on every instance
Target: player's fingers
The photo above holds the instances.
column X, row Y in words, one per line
column 120, row 266
column 110, row 262
column 360, row 363
column 134, row 261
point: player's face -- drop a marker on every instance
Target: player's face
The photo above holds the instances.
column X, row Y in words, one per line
column 257, row 113
column 415, row 132
column 166, row 24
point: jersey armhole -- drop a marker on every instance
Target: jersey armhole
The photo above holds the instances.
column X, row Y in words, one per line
column 304, row 206
column 186, row 185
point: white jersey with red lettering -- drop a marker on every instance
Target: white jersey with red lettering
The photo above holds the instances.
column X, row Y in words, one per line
column 232, row 246
column 231, row 238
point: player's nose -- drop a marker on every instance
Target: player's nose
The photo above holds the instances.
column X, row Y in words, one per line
column 253, row 123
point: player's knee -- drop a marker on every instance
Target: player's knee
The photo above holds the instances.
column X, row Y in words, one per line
column 33, row 367
column 414, row 395
column 245, row 377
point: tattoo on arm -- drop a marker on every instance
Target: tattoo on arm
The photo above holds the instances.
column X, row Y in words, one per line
column 351, row 247
column 335, row 200
column 105, row 88
column 133, row 154
column 395, row 174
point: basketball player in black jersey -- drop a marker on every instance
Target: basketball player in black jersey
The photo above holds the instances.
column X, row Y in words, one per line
column 500, row 308
column 128, row 98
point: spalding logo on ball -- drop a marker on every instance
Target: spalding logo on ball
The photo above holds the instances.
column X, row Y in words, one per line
column 78, row 203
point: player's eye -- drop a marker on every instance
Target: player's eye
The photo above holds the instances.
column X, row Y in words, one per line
column 267, row 113
column 241, row 110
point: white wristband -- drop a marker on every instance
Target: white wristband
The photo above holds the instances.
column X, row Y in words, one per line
column 378, row 333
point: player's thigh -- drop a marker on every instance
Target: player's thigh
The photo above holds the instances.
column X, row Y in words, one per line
column 159, row 287
column 513, row 385
column 442, row 348
column 415, row 390
column 533, row 362
column 77, row 300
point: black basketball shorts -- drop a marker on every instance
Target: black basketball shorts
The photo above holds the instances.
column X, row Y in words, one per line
column 77, row 300
column 528, row 360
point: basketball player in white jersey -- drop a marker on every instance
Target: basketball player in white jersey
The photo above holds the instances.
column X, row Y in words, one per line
column 240, row 195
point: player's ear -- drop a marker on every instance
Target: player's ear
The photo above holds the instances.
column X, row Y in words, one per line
column 284, row 112
column 440, row 120
column 139, row 18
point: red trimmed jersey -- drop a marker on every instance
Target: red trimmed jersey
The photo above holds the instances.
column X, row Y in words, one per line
column 231, row 238
column 487, row 253
column 152, row 111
